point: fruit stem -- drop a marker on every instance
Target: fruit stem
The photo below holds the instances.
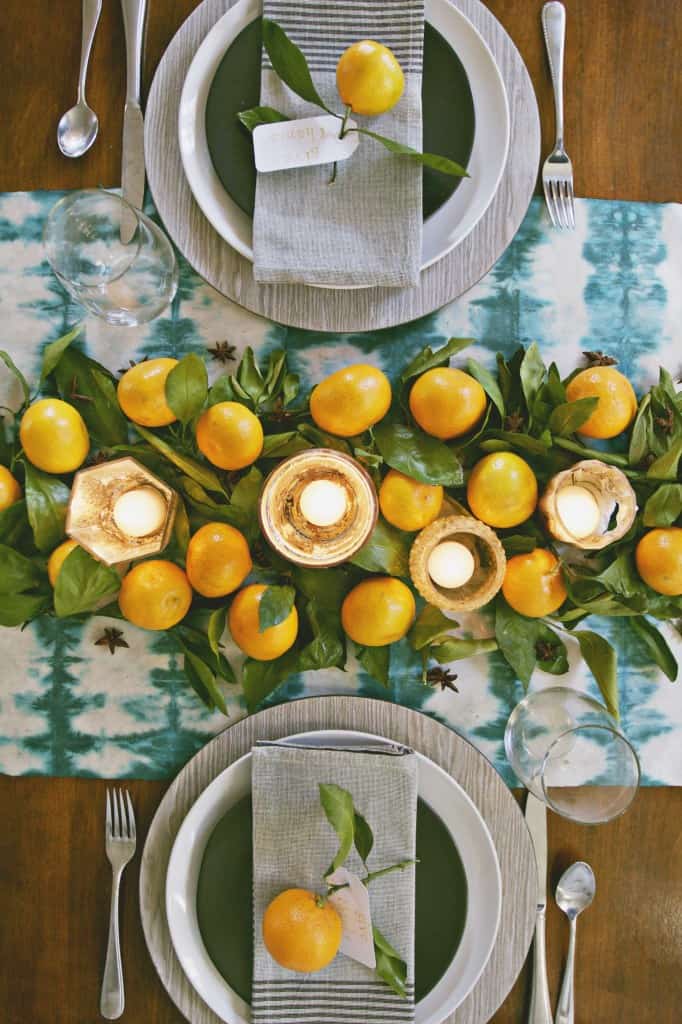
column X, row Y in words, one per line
column 344, row 122
column 386, row 871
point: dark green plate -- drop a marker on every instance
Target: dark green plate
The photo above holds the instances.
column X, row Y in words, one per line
column 224, row 899
column 447, row 104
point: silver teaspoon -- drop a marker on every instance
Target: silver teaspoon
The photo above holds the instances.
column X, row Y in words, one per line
column 78, row 127
column 574, row 893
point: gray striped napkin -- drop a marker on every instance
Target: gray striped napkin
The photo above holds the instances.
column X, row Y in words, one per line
column 366, row 229
column 293, row 844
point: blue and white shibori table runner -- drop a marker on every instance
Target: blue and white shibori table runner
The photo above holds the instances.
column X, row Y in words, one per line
column 68, row 707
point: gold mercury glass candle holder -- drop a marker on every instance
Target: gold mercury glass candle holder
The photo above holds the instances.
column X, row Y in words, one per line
column 318, row 508
column 90, row 517
column 589, row 505
column 485, row 562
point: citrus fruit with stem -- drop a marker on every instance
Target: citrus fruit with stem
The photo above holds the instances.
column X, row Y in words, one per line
column 351, row 400
column 10, row 489
column 218, row 559
column 243, row 619
column 378, row 611
column 142, row 393
column 658, row 557
column 369, row 79
column 407, row 503
column 229, row 435
column 301, row 930
column 57, row 559
column 502, row 490
column 533, row 584
column 617, row 403
column 155, row 595
column 54, row 436
column 447, row 402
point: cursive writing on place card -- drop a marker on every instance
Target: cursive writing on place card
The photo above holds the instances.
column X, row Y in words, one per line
column 302, row 143
column 352, row 905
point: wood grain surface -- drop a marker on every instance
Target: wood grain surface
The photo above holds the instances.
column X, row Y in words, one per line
column 624, row 93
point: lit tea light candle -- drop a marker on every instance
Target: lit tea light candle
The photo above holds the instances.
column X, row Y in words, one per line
column 578, row 510
column 139, row 512
column 451, row 564
column 323, row 502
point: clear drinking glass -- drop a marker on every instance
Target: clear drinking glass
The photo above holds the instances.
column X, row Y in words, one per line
column 111, row 257
column 569, row 752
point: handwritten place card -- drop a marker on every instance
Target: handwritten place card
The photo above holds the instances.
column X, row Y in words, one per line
column 352, row 905
column 302, row 143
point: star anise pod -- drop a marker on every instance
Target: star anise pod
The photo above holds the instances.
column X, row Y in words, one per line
column 666, row 422
column 442, row 677
column 131, row 363
column 74, row 396
column 112, row 638
column 514, row 421
column 223, row 352
column 599, row 359
column 545, row 650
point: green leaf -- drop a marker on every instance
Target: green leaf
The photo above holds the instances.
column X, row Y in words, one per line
column 246, row 492
column 433, row 160
column 14, row 524
column 664, row 506
column 532, row 373
column 524, row 442
column 457, row 648
column 9, row 363
column 390, row 967
column 567, row 417
column 260, row 678
column 249, row 377
column 656, row 645
column 427, row 359
column 275, row 605
column 337, row 804
column 290, row 64
column 363, row 838
column 325, row 588
column 260, row 115
column 83, row 584
column 376, row 661
column 602, row 662
column 321, row 439
column 642, row 434
column 181, row 529
column 193, row 469
column 431, row 624
column 15, row 609
column 666, row 465
column 216, row 628
column 203, row 681
column 516, row 636
column 46, row 502
column 488, row 383
column 187, row 387
column 17, row 573
column 518, row 544
column 53, row 352
column 417, row 455
column 557, row 663
column 610, row 458
column 76, row 372
column 200, row 644
column 279, row 446
column 387, row 550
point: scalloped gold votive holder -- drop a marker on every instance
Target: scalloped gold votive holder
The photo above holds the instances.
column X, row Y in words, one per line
column 489, row 563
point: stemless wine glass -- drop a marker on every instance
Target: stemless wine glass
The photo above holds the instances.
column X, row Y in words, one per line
column 111, row 257
column 569, row 752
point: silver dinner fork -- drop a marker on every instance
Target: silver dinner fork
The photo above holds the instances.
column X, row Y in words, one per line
column 557, row 170
column 120, row 847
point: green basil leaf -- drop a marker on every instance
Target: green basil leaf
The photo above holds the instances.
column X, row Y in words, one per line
column 666, row 465
column 488, row 383
column 455, row 648
column 274, row 607
column 190, row 467
column 17, row 573
column 433, row 160
column 387, row 550
column 260, row 115
column 290, row 64
column 389, row 967
column 417, row 454
column 53, row 352
column 427, row 359
column 187, row 387
column 16, row 609
column 77, row 373
column 566, row 418
column 363, row 838
column 47, row 498
column 664, row 506
column 656, row 645
column 9, row 363
column 83, row 584
column 431, row 624
column 337, row 804
column 602, row 662
column 376, row 661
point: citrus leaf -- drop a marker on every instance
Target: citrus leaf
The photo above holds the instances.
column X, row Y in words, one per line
column 53, row 352
column 187, row 387
column 375, row 661
column 431, row 624
column 363, row 837
column 417, row 455
column 83, row 584
column 203, row 681
column 77, row 373
column 46, row 502
column 337, row 804
column 9, row 363
column 488, row 383
column 16, row 609
column 390, row 967
column 602, row 662
column 433, row 160
column 290, row 64
column 216, row 628
column 387, row 550
column 260, row 115
column 664, row 506
column 532, row 373
column 665, row 466
column 17, row 573
column 427, row 359
column 516, row 636
column 455, row 648
column 656, row 645
column 193, row 469
column 14, row 524
column 566, row 418
column 274, row 607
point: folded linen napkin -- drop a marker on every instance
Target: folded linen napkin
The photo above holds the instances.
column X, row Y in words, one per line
column 365, row 229
column 293, row 845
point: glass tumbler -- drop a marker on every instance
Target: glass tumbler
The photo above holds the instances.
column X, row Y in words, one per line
column 110, row 257
column 569, row 752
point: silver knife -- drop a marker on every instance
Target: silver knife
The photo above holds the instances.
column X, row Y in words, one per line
column 132, row 169
column 536, row 820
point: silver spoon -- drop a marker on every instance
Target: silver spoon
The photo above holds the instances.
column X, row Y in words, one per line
column 574, row 893
column 78, row 127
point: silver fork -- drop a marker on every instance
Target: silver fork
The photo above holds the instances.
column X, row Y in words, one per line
column 557, row 170
column 120, row 847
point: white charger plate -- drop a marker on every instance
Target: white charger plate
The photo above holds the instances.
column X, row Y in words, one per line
column 448, row 226
column 445, row 797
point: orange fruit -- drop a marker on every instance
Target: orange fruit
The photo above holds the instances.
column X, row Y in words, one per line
column 57, row 559
column 244, row 623
column 299, row 933
column 369, row 78
column 378, row 611
column 502, row 490
column 54, row 436
column 351, row 400
column 10, row 490
column 658, row 556
column 447, row 402
column 533, row 584
column 155, row 595
column 229, row 435
column 407, row 503
column 142, row 393
column 218, row 560
column 617, row 403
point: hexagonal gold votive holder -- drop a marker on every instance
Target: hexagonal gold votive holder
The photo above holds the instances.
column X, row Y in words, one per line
column 288, row 531
column 90, row 519
column 489, row 561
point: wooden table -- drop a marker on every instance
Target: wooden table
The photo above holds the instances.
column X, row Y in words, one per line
column 623, row 115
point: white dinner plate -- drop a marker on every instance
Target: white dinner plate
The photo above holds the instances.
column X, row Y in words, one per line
column 449, row 225
column 435, row 787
